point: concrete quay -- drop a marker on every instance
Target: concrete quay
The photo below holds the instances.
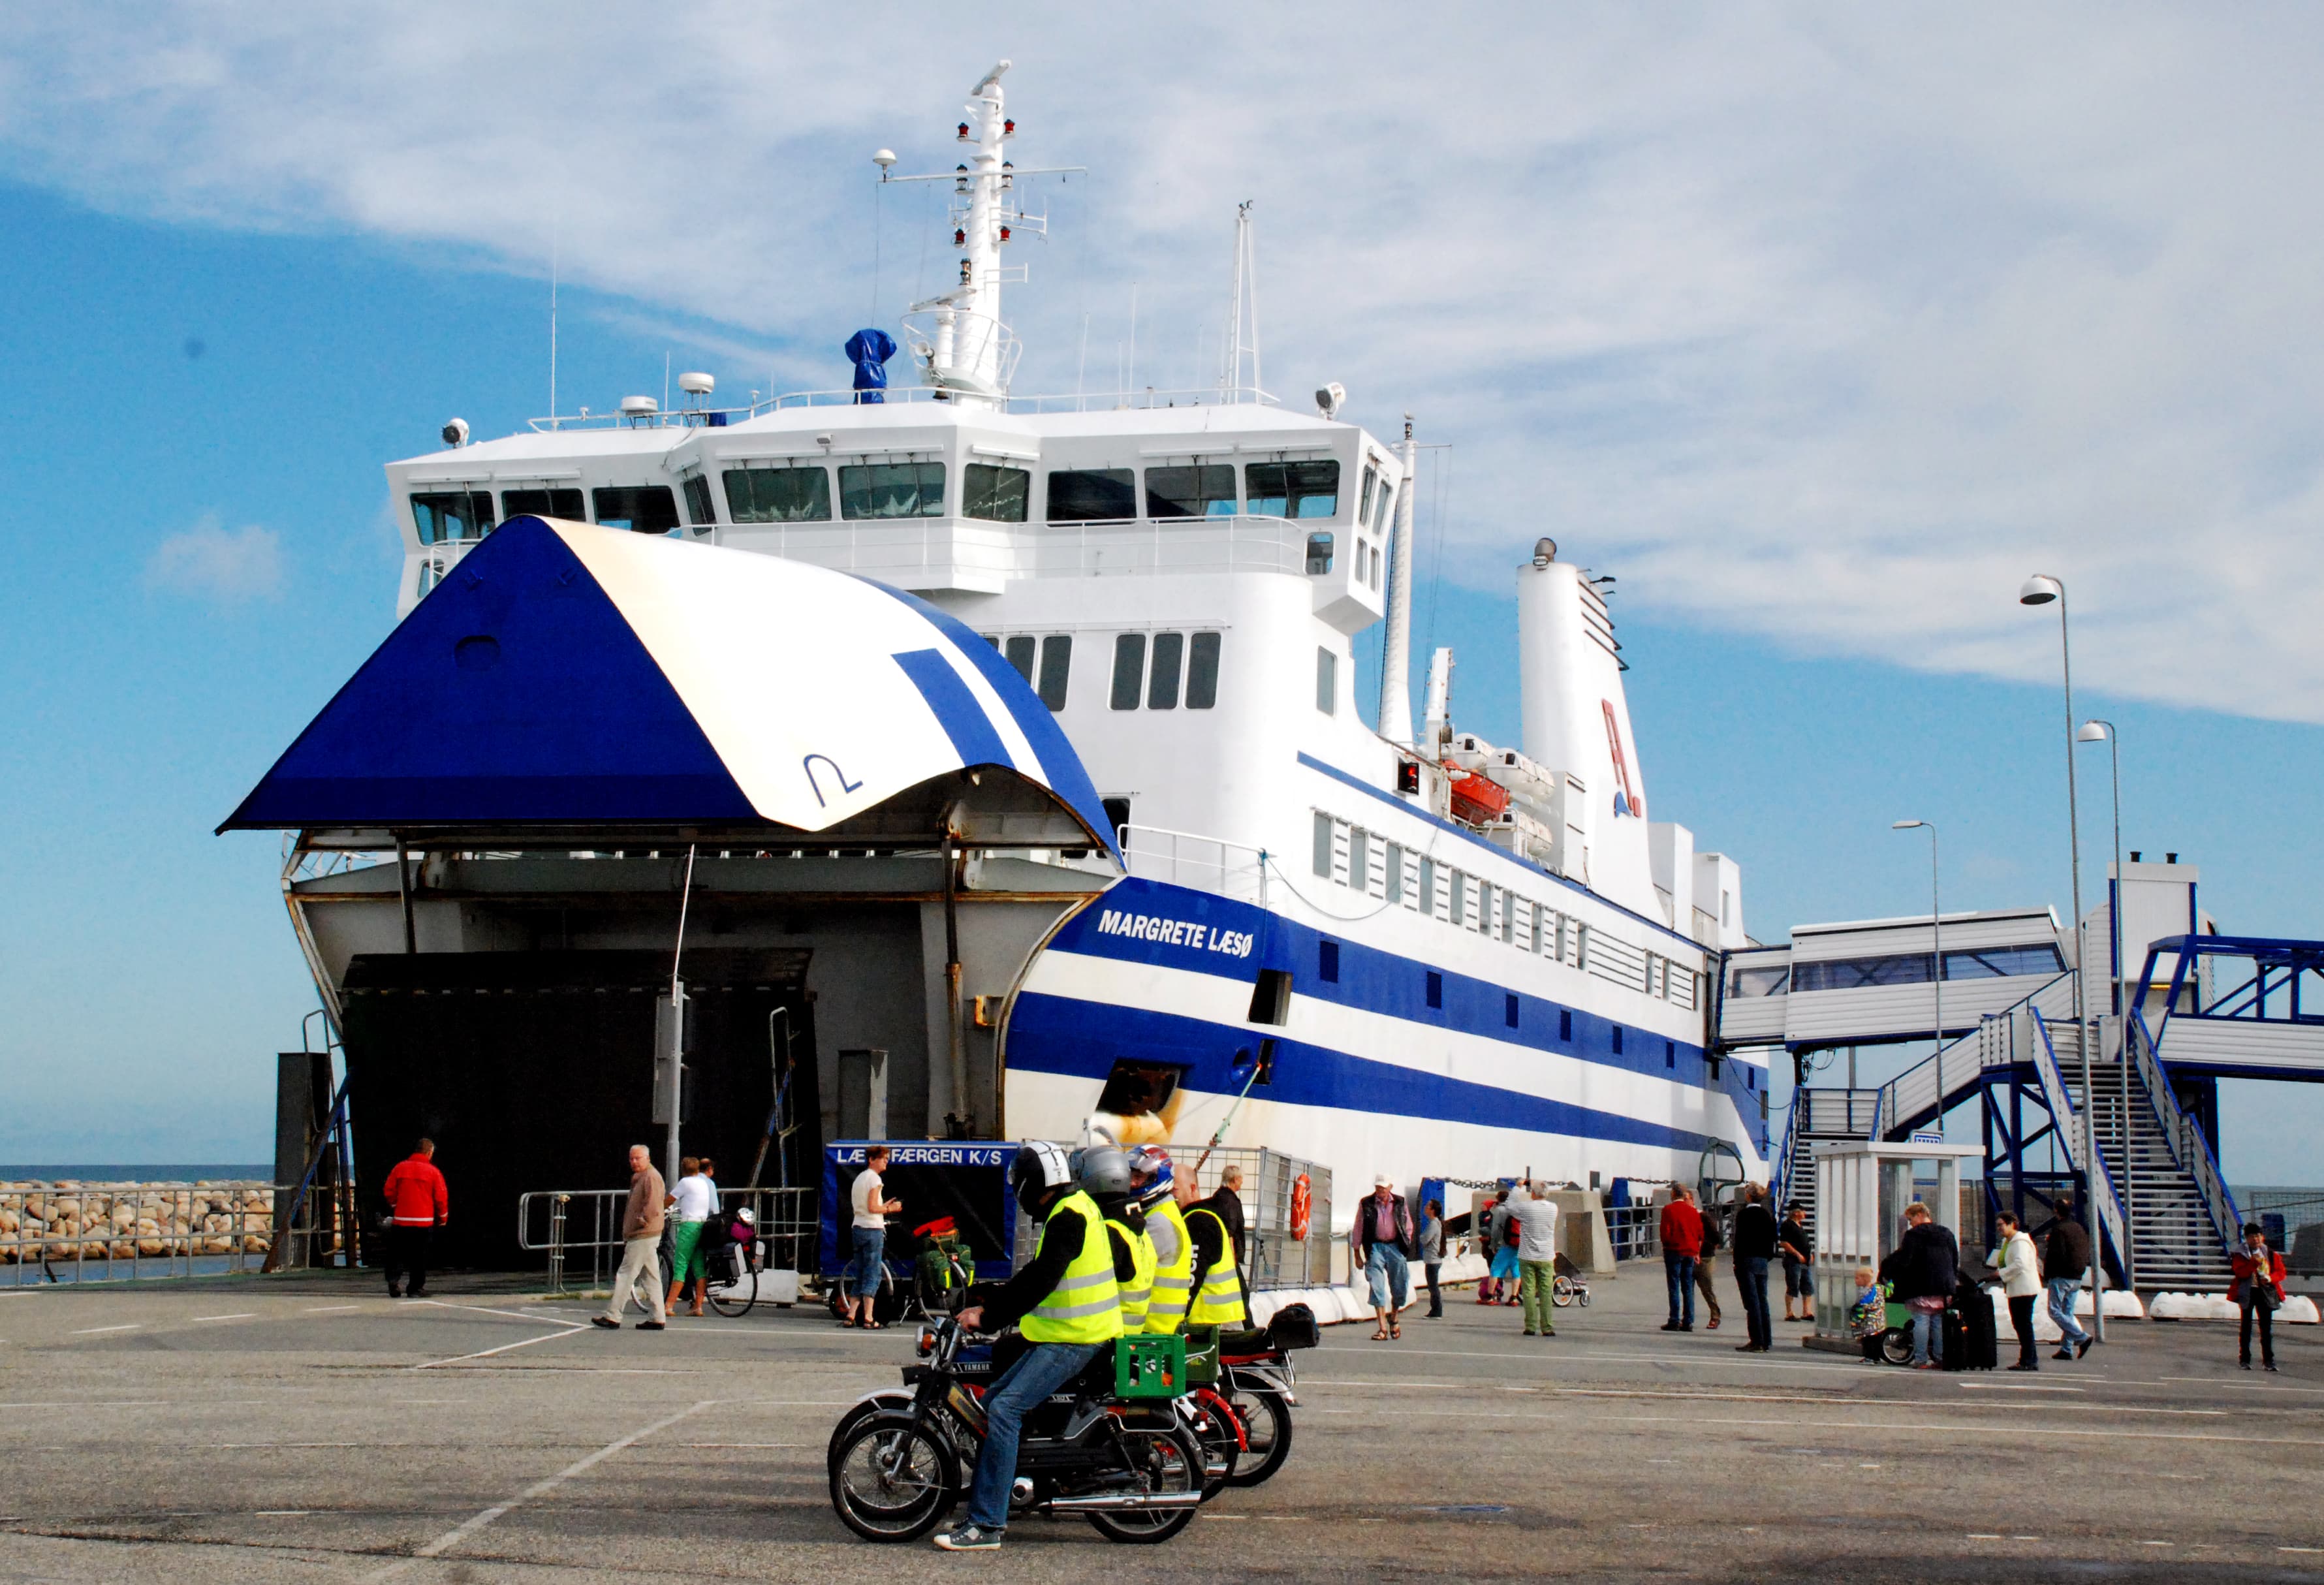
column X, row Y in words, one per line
column 306, row 1428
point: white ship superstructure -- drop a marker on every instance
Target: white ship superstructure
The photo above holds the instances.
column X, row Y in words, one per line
column 1417, row 954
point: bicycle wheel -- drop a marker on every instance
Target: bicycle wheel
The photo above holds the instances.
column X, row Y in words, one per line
column 1163, row 1460
column 1267, row 1435
column 1561, row 1291
column 893, row 1478
column 725, row 1302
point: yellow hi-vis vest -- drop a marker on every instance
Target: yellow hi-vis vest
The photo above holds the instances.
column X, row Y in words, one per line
column 1218, row 1302
column 1139, row 1291
column 1084, row 1307
column 1173, row 1267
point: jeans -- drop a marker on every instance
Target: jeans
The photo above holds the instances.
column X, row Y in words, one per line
column 1927, row 1340
column 2062, row 1290
column 1435, row 1294
column 1751, row 1277
column 407, row 1257
column 1797, row 1283
column 640, row 1261
column 1536, row 1285
column 1040, row 1371
column 863, row 1274
column 2266, row 1331
column 1388, row 1271
column 1678, row 1271
column 2021, row 1322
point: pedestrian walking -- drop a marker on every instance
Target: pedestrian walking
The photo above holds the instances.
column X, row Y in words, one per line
column 417, row 1206
column 1714, row 1239
column 1432, row 1255
column 1535, row 1216
column 1755, row 1238
column 2257, row 1290
column 1681, row 1231
column 859, row 1284
column 2065, row 1258
column 1386, row 1242
column 1505, row 1268
column 2021, row 1284
column 1799, row 1262
column 693, row 1203
column 1488, row 1245
column 1928, row 1270
column 641, row 1224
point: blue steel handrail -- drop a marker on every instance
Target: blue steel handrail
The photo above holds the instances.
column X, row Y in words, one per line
column 2063, row 1114
column 1891, row 1102
column 1791, row 1144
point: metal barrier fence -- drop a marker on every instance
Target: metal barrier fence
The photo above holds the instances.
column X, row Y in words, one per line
column 1273, row 1258
column 1635, row 1231
column 79, row 1232
column 567, row 1224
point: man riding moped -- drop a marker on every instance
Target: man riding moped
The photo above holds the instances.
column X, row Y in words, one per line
column 1066, row 1304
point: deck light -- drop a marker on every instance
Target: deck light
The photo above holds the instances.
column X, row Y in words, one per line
column 964, row 132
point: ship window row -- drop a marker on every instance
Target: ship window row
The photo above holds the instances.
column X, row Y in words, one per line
column 450, row 516
column 1370, row 865
column 1909, row 968
column 1158, row 671
column 999, row 493
column 1045, row 660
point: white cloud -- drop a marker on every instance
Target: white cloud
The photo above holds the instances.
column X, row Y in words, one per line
column 1829, row 325
column 212, row 562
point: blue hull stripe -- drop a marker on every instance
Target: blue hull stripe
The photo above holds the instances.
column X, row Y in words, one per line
column 1083, row 1039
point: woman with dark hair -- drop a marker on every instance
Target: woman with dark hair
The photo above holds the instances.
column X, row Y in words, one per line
column 2257, row 1290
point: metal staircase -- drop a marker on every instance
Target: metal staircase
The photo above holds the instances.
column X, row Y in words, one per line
column 2172, row 1243
column 1819, row 1116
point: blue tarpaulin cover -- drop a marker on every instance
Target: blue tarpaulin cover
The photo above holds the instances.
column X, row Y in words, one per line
column 870, row 351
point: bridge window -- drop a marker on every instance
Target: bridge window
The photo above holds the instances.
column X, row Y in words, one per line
column 1093, row 495
column 643, row 508
column 1056, row 667
column 559, row 503
column 1203, row 672
column 1022, row 650
column 699, row 513
column 1759, row 982
column 1364, row 496
column 996, row 494
column 1205, row 491
column 1912, row 968
column 778, row 495
column 1995, row 961
column 456, row 514
column 1319, row 552
column 1128, row 669
column 1162, row 681
column 891, row 489
column 1292, row 489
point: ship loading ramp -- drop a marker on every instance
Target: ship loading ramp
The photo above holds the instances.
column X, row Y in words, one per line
column 2180, row 1007
column 864, row 817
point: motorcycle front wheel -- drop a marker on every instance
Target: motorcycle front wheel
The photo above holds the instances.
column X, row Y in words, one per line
column 1163, row 1460
column 893, row 1478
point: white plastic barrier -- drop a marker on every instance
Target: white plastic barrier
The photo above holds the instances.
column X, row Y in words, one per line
column 2297, row 1311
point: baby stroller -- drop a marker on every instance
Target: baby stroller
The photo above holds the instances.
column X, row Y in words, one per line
column 1570, row 1286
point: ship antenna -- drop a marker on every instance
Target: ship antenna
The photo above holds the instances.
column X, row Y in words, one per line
column 1242, row 300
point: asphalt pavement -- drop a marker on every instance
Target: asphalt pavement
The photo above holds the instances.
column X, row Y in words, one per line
column 309, row 1428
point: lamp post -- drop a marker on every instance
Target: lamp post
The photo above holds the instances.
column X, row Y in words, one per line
column 1936, row 957
column 2042, row 589
column 2095, row 732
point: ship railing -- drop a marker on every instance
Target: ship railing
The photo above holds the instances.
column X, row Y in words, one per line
column 577, row 1226
column 1079, row 401
column 1200, row 864
column 901, row 549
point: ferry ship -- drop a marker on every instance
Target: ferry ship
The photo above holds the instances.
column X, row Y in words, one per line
column 1383, row 950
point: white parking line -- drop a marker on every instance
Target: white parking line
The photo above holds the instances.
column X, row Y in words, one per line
column 91, row 1331
column 330, row 1309
column 504, row 1347
column 239, row 1316
column 460, row 1532
column 2013, row 1387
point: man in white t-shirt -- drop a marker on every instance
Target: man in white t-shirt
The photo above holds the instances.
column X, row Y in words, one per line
column 691, row 1203
column 1535, row 1216
column 860, row 1283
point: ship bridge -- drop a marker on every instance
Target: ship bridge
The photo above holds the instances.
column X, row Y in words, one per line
column 595, row 772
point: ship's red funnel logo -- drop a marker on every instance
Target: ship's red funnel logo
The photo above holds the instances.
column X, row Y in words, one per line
column 1626, row 801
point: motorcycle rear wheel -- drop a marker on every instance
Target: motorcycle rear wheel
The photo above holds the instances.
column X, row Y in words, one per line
column 1267, row 1435
column 894, row 1479
column 1169, row 1460
column 1221, row 1435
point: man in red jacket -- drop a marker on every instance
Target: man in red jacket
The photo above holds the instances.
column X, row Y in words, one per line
column 2257, row 1290
column 1682, row 1236
column 416, row 1206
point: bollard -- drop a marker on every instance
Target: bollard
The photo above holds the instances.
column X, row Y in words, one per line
column 557, row 1243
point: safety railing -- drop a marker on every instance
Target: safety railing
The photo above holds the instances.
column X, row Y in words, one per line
column 2062, row 1113
column 2190, row 1148
column 1280, row 1250
column 1911, row 1097
column 1635, row 1231
column 79, row 1232
column 584, row 1226
column 1205, row 863
column 899, row 548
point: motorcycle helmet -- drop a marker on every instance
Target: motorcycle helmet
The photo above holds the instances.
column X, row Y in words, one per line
column 1039, row 1167
column 1152, row 1163
column 1101, row 1169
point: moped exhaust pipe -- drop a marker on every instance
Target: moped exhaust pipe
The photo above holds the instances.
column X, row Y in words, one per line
column 1118, row 1502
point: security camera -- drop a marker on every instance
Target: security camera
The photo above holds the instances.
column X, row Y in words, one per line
column 1328, row 400
column 1544, row 551
column 456, row 433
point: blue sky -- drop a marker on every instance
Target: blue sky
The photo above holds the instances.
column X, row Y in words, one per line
column 1821, row 386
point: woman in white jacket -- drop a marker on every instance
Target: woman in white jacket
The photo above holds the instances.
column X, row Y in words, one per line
column 2021, row 1284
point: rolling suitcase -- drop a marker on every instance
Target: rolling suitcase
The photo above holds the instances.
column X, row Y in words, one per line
column 1952, row 1339
column 1981, row 1347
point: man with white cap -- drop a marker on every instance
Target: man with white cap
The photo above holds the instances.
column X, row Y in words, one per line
column 1535, row 1215
column 1385, row 1242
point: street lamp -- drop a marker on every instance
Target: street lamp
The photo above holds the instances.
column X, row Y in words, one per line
column 1937, row 942
column 2095, row 732
column 2041, row 589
